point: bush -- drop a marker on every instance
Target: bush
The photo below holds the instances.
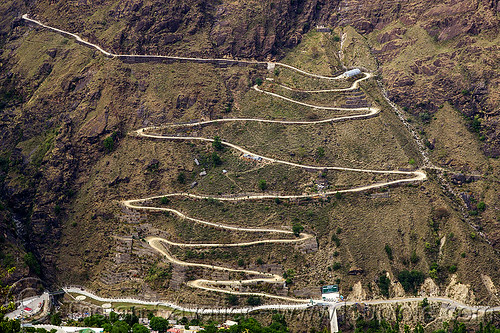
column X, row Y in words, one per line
column 165, row 201
column 254, row 301
column 232, row 300
column 383, row 283
column 388, row 250
column 217, row 143
column 297, row 228
column 259, row 261
column 216, row 160
column 109, row 143
column 453, row 268
column 336, row 240
column 181, row 178
column 320, row 152
column 262, row 184
column 411, row 161
column 481, row 206
column 33, row 264
column 241, row 262
column 338, row 195
column 414, row 258
column 159, row 324
column 411, row 281
column 258, row 81
column 336, row 266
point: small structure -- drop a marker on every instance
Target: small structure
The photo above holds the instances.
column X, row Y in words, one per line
column 330, row 293
column 196, row 161
column 224, row 171
column 252, row 157
column 352, row 72
column 203, row 173
column 322, row 28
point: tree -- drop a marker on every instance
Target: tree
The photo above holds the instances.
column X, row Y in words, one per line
column 320, row 152
column 138, row 328
column 258, row 81
column 216, row 160
column 108, row 143
column 120, row 327
column 31, row 261
column 388, row 250
column 55, row 319
column 254, row 301
column 232, row 300
column 181, row 178
column 159, row 324
column 217, row 143
column 383, row 283
column 262, row 184
column 297, row 228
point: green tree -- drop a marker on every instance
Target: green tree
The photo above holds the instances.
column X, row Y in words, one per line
column 120, row 326
column 108, row 143
column 31, row 261
column 181, row 178
column 138, row 328
column 320, row 152
column 383, row 283
column 254, row 301
column 159, row 324
column 258, row 81
column 216, row 160
column 55, row 319
column 232, row 299
column 388, row 250
column 217, row 143
column 262, row 184
column 297, row 228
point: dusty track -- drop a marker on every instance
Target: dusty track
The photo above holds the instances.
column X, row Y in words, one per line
column 158, row 243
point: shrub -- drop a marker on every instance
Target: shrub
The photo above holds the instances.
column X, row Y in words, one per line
column 217, row 143
column 258, row 81
column 336, row 266
column 232, row 300
column 31, row 261
column 411, row 281
column 262, row 184
column 453, row 268
column 336, row 240
column 181, row 178
column 473, row 235
column 338, row 195
column 276, row 71
column 165, row 201
column 411, row 161
column 414, row 258
column 259, row 261
column 216, row 160
column 254, row 301
column 383, row 283
column 297, row 228
column 481, row 206
column 320, row 152
column 241, row 262
column 336, row 38
column 109, row 143
column 388, row 250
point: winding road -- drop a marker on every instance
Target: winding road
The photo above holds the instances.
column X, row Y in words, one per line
column 159, row 244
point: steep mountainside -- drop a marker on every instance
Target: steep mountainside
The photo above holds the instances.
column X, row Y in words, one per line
column 67, row 158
